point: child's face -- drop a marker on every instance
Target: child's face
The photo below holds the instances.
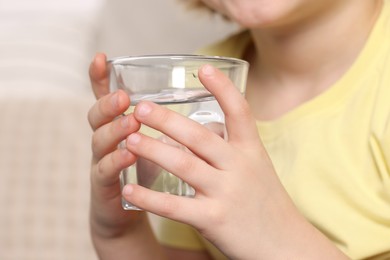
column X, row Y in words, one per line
column 269, row 13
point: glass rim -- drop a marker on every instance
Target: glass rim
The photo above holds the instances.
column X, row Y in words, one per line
column 233, row 61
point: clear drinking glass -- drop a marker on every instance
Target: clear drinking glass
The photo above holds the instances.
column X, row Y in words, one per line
column 172, row 81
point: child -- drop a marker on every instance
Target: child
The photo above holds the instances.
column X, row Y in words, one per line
column 305, row 172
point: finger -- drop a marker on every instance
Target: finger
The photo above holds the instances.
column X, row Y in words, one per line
column 183, row 164
column 178, row 208
column 197, row 138
column 240, row 123
column 108, row 168
column 98, row 75
column 107, row 137
column 107, row 108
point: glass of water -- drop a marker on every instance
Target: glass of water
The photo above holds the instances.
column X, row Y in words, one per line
column 172, row 81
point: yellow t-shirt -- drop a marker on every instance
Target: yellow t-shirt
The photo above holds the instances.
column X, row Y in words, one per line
column 331, row 153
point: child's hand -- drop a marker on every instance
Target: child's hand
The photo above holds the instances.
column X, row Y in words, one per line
column 236, row 186
column 239, row 205
column 107, row 214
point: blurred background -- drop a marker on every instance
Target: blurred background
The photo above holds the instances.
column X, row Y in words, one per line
column 45, row 50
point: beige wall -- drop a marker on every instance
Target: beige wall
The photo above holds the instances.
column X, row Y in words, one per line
column 131, row 27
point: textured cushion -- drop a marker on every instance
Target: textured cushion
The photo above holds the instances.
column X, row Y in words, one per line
column 45, row 50
column 44, row 179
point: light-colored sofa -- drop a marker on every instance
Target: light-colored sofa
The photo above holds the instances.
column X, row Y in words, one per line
column 45, row 50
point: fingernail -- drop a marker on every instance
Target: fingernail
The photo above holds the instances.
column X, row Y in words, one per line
column 125, row 153
column 208, row 70
column 125, row 122
column 97, row 54
column 114, row 100
column 127, row 190
column 143, row 109
column 133, row 139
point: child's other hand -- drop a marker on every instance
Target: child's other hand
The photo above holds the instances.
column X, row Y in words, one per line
column 238, row 195
column 107, row 216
